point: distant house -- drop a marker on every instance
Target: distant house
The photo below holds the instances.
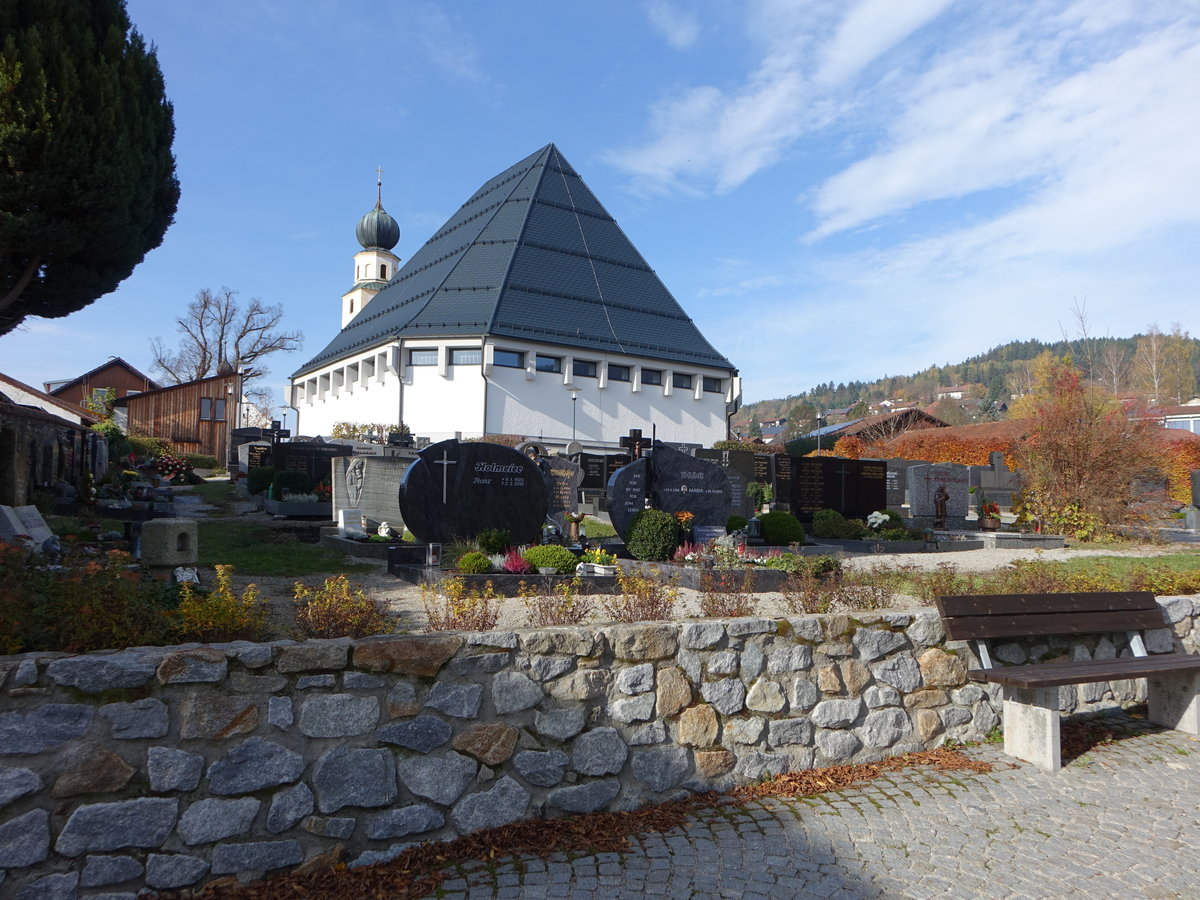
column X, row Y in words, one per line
column 195, row 417
column 116, row 374
column 958, row 391
column 1184, row 418
column 878, row 429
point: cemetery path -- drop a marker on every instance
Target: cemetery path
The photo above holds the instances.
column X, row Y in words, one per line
column 1119, row 820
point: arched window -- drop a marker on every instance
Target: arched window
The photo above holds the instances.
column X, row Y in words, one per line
column 351, row 304
column 383, row 270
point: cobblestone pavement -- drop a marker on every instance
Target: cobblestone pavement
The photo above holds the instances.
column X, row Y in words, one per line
column 1120, row 821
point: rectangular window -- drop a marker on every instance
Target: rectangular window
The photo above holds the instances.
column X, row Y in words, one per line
column 549, row 363
column 618, row 373
column 206, row 408
column 583, row 368
column 651, row 376
column 422, row 357
column 512, row 359
column 714, row 385
column 219, row 411
column 467, row 356
column 681, row 380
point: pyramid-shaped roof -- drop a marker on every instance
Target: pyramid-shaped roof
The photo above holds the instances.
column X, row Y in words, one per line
column 531, row 255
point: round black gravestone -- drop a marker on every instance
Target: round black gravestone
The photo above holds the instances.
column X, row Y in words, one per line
column 674, row 482
column 454, row 491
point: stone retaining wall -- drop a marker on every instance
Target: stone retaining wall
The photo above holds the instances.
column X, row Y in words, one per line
column 164, row 767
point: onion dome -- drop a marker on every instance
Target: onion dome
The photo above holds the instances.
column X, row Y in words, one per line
column 377, row 230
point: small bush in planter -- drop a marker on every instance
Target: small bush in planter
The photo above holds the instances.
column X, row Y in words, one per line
column 494, row 540
column 829, row 523
column 653, row 535
column 735, row 523
column 781, row 528
column 515, row 563
column 291, row 481
column 473, row 563
column 551, row 556
column 258, row 480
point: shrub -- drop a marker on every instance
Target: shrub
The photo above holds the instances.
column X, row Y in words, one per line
column 291, row 481
column 781, row 528
column 515, row 564
column 450, row 606
column 786, row 562
column 494, row 540
column 562, row 604
column 338, row 609
column 725, row 595
column 258, row 480
column 653, row 535
column 222, row 615
column 643, row 598
column 552, row 556
column 829, row 523
column 201, row 461
column 473, row 563
column 735, row 523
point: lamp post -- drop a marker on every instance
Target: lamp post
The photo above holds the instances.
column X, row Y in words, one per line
column 820, row 425
column 574, row 389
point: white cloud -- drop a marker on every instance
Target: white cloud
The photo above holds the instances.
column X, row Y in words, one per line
column 679, row 27
column 870, row 29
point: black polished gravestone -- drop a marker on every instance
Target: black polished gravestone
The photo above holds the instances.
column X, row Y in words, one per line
column 313, row 458
column 565, row 478
column 854, row 487
column 673, row 482
column 455, row 491
column 739, row 466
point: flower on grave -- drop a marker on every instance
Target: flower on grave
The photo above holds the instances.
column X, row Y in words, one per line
column 990, row 510
column 573, row 518
column 684, row 518
column 877, row 520
column 172, row 467
column 598, row 557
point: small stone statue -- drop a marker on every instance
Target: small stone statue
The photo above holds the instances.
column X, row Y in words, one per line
column 385, row 530
column 940, row 498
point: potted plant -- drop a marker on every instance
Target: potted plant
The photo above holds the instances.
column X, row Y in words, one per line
column 989, row 516
column 598, row 562
column 761, row 494
column 573, row 521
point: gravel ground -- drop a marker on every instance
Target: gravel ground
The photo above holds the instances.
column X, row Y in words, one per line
column 405, row 602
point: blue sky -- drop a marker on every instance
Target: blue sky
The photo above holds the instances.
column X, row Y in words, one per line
column 832, row 190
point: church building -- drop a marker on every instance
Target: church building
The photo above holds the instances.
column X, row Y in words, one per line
column 528, row 313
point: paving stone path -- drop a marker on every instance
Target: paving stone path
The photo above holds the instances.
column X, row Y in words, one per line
column 1123, row 820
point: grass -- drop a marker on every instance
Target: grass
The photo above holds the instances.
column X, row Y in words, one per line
column 594, row 529
column 252, row 549
column 219, row 494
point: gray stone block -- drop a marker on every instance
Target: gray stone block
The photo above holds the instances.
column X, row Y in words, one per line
column 289, row 806
column 312, row 656
column 344, row 777
column 542, row 768
column 807, row 628
column 42, row 728
column 795, row 658
column 280, row 712
column 804, row 694
column 585, row 798
column 52, row 887
column 599, row 752
column 513, row 692
column 97, row 673
column 25, row 840
column 339, row 828
column 743, row 731
column 245, row 683
column 724, row 662
column 727, row 696
column 211, row 820
column 757, row 766
column 361, row 680
column 836, row 713
column 441, row 780
column 752, row 662
column 701, row 635
column 506, row 640
column 632, row 709
column 258, row 856
column 173, row 770
column 203, row 665
column 458, row 700
column 783, row 732
column 884, row 727
column 424, row 733
column 16, row 783
column 560, row 724
column 25, row 675
column 926, row 629
column 101, row 870
column 901, row 672
column 1012, row 653
column 175, row 870
column 412, row 819
column 838, row 746
column 545, row 668
column 254, row 656
column 635, row 679
column 338, row 715
column 307, row 682
column 650, row 733
column 253, row 765
column 661, row 769
column 744, row 627
column 873, row 643
column 478, row 663
column 146, row 718
column 142, row 822
column 505, row 803
column 955, row 715
column 880, row 695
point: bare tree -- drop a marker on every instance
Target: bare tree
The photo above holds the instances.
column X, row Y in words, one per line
column 1114, row 367
column 1085, row 344
column 1179, row 370
column 1150, row 361
column 217, row 332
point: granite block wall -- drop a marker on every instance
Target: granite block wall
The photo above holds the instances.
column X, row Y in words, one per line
column 165, row 767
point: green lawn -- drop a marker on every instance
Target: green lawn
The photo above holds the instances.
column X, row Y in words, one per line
column 250, row 549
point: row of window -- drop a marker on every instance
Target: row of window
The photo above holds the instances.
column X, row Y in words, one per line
column 580, row 368
column 212, row 409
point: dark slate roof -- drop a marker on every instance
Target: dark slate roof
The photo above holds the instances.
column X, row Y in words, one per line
column 531, row 255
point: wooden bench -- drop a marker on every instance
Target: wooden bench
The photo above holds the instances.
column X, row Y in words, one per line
column 1030, row 692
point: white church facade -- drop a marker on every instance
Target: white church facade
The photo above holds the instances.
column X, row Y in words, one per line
column 528, row 313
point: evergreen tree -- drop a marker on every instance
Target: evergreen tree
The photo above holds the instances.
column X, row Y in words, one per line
column 87, row 177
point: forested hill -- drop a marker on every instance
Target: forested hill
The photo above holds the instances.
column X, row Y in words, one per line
column 1155, row 365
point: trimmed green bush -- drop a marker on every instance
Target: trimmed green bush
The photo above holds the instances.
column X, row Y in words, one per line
column 258, row 480
column 829, row 523
column 292, row 481
column 494, row 541
column 735, row 523
column 653, row 535
column 474, row 563
column 781, row 528
column 201, row 461
column 551, row 556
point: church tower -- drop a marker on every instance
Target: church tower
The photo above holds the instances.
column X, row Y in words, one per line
column 375, row 263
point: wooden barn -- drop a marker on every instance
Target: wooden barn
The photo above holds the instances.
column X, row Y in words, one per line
column 194, row 417
column 117, row 374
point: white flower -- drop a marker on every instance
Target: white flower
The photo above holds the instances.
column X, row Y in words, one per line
column 877, row 519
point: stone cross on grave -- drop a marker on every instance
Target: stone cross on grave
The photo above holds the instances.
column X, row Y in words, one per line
column 633, row 443
column 843, row 472
column 445, row 462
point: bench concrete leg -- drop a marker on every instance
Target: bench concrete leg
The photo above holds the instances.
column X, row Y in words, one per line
column 1031, row 726
column 1174, row 700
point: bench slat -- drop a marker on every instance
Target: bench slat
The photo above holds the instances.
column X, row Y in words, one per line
column 1087, row 671
column 1055, row 623
column 991, row 604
